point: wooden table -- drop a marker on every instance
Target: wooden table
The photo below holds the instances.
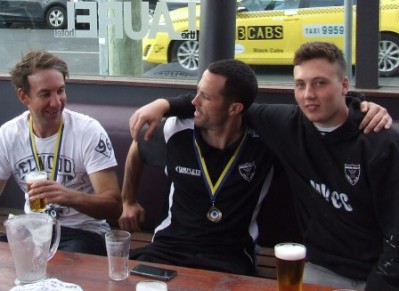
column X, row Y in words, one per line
column 91, row 273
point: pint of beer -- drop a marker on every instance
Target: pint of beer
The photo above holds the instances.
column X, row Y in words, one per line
column 290, row 259
column 37, row 205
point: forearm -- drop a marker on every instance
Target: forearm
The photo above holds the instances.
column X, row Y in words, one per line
column 181, row 106
column 105, row 202
column 102, row 205
column 133, row 170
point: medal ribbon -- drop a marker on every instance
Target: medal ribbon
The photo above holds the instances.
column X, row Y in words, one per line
column 213, row 190
column 57, row 149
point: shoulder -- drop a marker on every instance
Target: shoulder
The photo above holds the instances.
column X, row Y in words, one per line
column 174, row 125
column 270, row 111
column 80, row 120
column 385, row 140
column 15, row 125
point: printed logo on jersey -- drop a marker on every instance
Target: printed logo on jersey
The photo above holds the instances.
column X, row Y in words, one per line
column 338, row 200
column 352, row 173
column 247, row 171
column 104, row 146
column 66, row 167
column 188, row 171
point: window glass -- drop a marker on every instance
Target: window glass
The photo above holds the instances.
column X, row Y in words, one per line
column 154, row 38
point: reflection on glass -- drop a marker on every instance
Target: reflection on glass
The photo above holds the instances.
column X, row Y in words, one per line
column 267, row 34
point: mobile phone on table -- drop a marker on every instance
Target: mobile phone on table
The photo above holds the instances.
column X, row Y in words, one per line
column 153, row 272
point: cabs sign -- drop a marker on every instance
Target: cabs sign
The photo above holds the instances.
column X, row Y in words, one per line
column 260, row 32
column 118, row 15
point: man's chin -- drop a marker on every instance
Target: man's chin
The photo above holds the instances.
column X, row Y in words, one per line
column 313, row 118
column 197, row 122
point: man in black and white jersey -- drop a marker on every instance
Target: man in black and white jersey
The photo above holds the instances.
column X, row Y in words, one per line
column 219, row 170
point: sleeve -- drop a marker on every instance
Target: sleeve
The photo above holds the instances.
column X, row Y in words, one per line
column 98, row 153
column 271, row 121
column 153, row 151
column 356, row 97
column 5, row 168
column 385, row 186
column 181, row 106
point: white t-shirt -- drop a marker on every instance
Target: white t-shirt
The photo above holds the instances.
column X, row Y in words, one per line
column 85, row 149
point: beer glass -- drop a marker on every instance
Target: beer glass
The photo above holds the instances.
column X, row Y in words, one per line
column 290, row 260
column 37, row 205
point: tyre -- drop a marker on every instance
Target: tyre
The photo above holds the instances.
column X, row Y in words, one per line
column 186, row 53
column 388, row 57
column 152, row 8
column 56, row 17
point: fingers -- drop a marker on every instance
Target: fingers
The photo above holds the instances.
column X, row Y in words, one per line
column 38, row 189
column 150, row 114
column 376, row 118
column 364, row 106
column 376, row 122
column 131, row 218
column 389, row 123
column 136, row 124
column 132, row 126
column 129, row 224
column 150, row 131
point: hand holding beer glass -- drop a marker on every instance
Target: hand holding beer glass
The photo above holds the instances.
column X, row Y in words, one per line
column 290, row 259
column 38, row 205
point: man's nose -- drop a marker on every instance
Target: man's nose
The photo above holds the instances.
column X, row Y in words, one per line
column 195, row 101
column 309, row 92
column 55, row 100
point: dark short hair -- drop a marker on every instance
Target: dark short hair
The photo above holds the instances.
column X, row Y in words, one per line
column 321, row 50
column 32, row 62
column 241, row 83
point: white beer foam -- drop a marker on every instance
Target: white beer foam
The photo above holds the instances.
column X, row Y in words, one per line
column 290, row 252
column 35, row 176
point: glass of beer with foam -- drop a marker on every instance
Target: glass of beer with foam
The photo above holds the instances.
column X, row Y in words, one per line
column 37, row 205
column 290, row 260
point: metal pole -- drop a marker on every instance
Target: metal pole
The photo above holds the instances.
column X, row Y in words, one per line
column 217, row 33
column 348, row 11
column 367, row 44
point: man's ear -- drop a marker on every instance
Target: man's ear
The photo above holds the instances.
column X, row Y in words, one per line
column 345, row 86
column 236, row 108
column 23, row 97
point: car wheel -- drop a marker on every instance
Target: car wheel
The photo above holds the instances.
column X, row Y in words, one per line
column 152, row 8
column 388, row 58
column 186, row 54
column 56, row 17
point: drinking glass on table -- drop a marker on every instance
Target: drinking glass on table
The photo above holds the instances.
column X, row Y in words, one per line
column 290, row 259
column 38, row 205
column 118, row 246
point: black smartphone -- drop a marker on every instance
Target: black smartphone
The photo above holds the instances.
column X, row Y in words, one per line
column 153, row 272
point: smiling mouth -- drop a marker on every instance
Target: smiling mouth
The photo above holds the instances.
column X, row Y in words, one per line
column 311, row 107
column 53, row 114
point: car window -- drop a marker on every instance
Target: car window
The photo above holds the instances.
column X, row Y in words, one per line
column 325, row 3
column 286, row 4
column 259, row 5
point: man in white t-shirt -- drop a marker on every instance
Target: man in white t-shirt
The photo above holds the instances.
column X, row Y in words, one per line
column 73, row 149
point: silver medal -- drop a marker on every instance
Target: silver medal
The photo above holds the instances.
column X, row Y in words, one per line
column 214, row 214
